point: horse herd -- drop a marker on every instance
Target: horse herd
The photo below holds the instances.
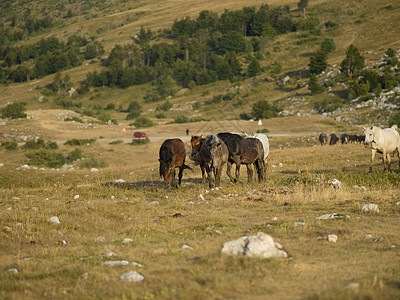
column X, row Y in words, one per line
column 212, row 153
column 344, row 138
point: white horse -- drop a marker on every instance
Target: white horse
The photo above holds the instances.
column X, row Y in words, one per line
column 383, row 141
column 265, row 142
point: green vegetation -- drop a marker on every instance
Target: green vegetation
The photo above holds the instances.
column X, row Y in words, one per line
column 140, row 141
column 79, row 142
column 14, row 110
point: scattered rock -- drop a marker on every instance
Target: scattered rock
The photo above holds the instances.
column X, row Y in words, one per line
column 127, row 241
column 119, row 181
column 85, row 275
column 110, row 254
column 113, row 263
column 379, row 239
column 260, row 245
column 76, row 197
column 251, row 192
column 94, row 170
column 136, row 264
column 301, row 223
column 6, row 229
column 201, row 197
column 54, row 220
column 334, row 183
column 187, row 247
column 332, row 238
column 131, row 276
column 370, row 208
column 154, row 203
column 99, row 239
column 13, row 270
column 352, row 286
column 368, row 236
column 328, row 216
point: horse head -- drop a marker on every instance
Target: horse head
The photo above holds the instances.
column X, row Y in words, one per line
column 369, row 134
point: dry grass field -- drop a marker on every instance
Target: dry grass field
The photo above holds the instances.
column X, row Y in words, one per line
column 176, row 234
column 65, row 261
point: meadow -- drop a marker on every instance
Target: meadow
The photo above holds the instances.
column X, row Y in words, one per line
column 127, row 199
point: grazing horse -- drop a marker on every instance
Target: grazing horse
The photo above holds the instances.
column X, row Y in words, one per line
column 333, row 140
column 172, row 155
column 211, row 154
column 243, row 151
column 323, row 139
column 265, row 142
column 344, row 138
column 383, row 141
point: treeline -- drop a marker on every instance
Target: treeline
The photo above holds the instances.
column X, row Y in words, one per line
column 202, row 50
column 48, row 56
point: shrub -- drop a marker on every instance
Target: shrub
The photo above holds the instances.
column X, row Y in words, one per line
column 79, row 142
column 75, row 154
column 143, row 122
column 14, row 110
column 92, row 163
column 181, row 119
column 328, row 45
column 116, row 142
column 75, row 119
column 264, row 110
column 264, row 130
column 160, row 115
column 140, row 141
column 46, row 158
column 395, row 119
column 10, row 145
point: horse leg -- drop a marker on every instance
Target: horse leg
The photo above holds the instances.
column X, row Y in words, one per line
column 203, row 173
column 373, row 152
column 173, row 178
column 180, row 175
column 398, row 155
column 388, row 160
column 209, row 175
column 384, row 160
column 217, row 175
column 249, row 173
column 228, row 171
column 237, row 173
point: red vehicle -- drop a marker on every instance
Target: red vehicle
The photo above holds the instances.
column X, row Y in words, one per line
column 140, row 134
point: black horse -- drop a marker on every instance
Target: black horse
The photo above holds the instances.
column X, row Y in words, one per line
column 243, row 151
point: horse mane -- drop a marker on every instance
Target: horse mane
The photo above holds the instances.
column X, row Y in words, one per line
column 165, row 156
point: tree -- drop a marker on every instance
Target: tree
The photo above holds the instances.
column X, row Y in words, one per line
column 328, row 45
column 354, row 62
column 313, row 85
column 302, row 5
column 254, row 68
column 318, row 62
column 14, row 110
column 264, row 110
column 232, row 41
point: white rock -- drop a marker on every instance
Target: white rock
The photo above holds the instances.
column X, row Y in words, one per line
column 352, row 286
column 328, row 216
column 136, row 264
column 13, row 270
column 85, row 275
column 76, row 197
column 113, row 263
column 370, row 208
column 127, row 241
column 301, row 223
column 368, row 236
column 187, row 247
column 6, row 229
column 94, row 170
column 154, row 202
column 280, row 165
column 260, row 245
column 131, row 276
column 99, row 239
column 201, row 197
column 1, row 165
column 332, row 238
column 54, row 220
column 398, row 203
column 64, row 242
column 251, row 192
column 120, row 181
column 334, row 183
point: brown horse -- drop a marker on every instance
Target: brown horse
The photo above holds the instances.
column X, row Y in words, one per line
column 244, row 151
column 211, row 154
column 172, row 155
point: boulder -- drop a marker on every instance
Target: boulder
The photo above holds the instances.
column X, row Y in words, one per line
column 131, row 276
column 260, row 245
column 370, row 208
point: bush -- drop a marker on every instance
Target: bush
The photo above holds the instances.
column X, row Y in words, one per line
column 39, row 144
column 116, row 142
column 79, row 142
column 395, row 119
column 75, row 154
column 264, row 130
column 14, row 110
column 161, row 116
column 10, row 145
column 74, row 119
column 92, row 163
column 143, row 122
column 140, row 141
column 264, row 110
column 181, row 119
column 46, row 158
column 328, row 45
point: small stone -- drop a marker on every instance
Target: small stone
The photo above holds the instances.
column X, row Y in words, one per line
column 154, row 203
column 368, row 236
column 127, row 241
column 370, row 208
column 187, row 247
column 94, row 170
column 201, row 197
column 110, row 254
column 332, row 238
column 119, row 181
column 113, row 263
column 64, row 242
column 54, row 220
column 13, row 270
column 85, row 275
column 328, row 216
column 131, row 276
column 99, row 239
column 393, row 246
column 296, row 224
column 6, row 229
column 76, row 197
column 398, row 203
column 352, row 286
column 334, row 183
column 136, row 264
column 251, row 192
column 379, row 239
